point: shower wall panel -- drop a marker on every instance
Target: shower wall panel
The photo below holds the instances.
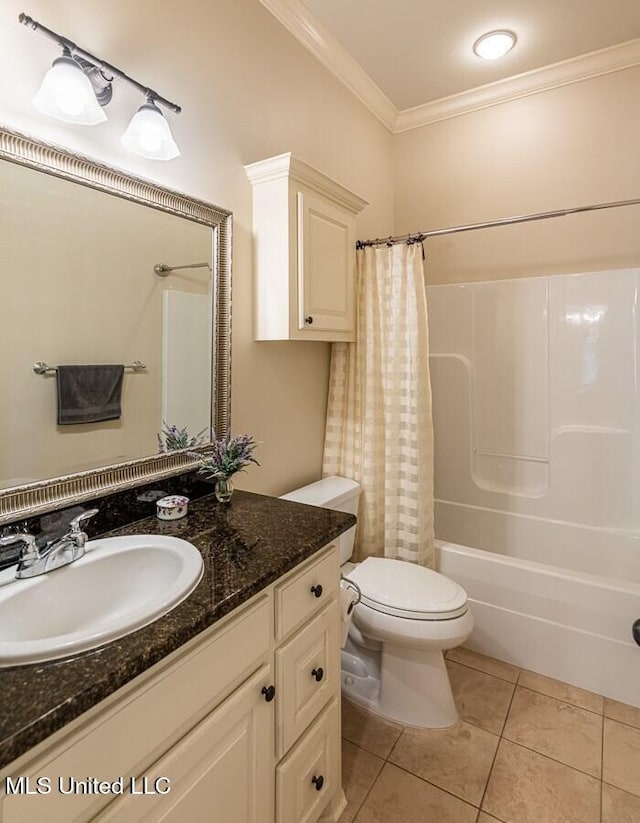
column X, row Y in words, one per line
column 536, row 412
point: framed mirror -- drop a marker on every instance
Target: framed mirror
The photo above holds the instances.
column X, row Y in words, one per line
column 104, row 269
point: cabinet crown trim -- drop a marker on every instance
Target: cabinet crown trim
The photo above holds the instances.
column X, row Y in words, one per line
column 288, row 166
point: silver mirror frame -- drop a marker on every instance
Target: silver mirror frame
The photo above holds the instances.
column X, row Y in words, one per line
column 19, row 502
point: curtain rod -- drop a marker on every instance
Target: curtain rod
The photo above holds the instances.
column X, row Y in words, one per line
column 418, row 237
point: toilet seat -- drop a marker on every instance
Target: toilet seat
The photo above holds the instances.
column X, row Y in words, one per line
column 408, row 591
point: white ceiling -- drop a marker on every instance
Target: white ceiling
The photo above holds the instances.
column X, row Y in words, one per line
column 413, row 64
column 418, row 51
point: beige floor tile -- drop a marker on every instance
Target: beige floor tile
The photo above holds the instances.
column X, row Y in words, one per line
column 620, row 711
column 399, row 797
column 484, row 664
column 621, row 765
column 562, row 691
column 487, row 818
column 367, row 730
column 559, row 730
column 457, row 759
column 619, row 806
column 481, row 699
column 526, row 787
column 359, row 771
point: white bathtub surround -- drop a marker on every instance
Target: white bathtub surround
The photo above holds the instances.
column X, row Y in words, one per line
column 537, row 459
column 536, row 390
column 379, row 426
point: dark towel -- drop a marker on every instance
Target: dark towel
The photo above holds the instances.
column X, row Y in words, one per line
column 87, row 394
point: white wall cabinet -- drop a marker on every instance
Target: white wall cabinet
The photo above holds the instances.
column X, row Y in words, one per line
column 304, row 252
column 243, row 721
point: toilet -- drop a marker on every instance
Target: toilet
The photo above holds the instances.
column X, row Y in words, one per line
column 408, row 615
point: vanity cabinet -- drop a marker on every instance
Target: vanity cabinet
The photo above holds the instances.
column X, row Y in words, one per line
column 244, row 718
column 304, row 252
column 224, row 763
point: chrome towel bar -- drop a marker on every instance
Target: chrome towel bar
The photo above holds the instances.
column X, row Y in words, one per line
column 41, row 367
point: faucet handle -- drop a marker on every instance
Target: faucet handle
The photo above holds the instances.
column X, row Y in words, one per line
column 75, row 525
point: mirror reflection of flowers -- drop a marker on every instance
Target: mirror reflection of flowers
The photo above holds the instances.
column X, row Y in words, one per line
column 172, row 438
column 228, row 456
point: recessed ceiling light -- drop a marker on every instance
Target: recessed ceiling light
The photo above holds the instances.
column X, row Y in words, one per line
column 494, row 44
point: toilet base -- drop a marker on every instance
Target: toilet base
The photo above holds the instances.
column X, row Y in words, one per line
column 409, row 686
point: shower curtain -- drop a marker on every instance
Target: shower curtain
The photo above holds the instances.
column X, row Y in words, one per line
column 379, row 428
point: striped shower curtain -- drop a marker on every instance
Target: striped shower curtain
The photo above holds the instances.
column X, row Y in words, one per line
column 379, row 428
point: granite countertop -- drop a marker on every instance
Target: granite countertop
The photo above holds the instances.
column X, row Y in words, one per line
column 246, row 545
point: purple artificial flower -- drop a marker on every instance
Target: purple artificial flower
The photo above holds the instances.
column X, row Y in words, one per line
column 176, row 438
column 228, row 456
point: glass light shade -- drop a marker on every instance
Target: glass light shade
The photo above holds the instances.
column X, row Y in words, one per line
column 149, row 135
column 66, row 93
column 494, row 45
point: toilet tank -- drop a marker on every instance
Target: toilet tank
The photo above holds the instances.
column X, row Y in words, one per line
column 339, row 493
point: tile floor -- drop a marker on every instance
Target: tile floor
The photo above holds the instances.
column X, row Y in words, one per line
column 527, row 749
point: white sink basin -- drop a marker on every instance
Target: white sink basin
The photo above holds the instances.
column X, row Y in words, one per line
column 120, row 585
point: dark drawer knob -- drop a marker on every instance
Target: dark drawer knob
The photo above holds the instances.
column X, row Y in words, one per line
column 269, row 693
column 317, row 590
column 308, row 320
column 636, row 631
column 318, row 782
column 318, row 674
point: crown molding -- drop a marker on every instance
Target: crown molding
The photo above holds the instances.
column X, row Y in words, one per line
column 586, row 66
column 285, row 166
column 299, row 21
column 295, row 17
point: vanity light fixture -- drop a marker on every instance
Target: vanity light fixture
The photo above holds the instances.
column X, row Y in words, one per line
column 149, row 135
column 66, row 93
column 494, row 44
column 78, row 86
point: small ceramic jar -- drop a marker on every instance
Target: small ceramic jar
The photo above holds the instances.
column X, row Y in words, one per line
column 172, row 507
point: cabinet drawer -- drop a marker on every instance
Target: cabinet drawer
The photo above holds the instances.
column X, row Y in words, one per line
column 225, row 762
column 123, row 740
column 309, row 775
column 307, row 675
column 306, row 592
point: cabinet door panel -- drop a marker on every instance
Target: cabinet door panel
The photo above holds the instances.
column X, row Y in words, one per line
column 308, row 672
column 223, row 769
column 326, row 259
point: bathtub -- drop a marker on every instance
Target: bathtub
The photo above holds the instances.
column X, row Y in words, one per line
column 574, row 626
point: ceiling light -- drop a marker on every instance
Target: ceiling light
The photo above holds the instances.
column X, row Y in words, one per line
column 149, row 135
column 67, row 94
column 494, row 44
column 79, row 85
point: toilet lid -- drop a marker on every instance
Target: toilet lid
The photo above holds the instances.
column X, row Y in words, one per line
column 407, row 590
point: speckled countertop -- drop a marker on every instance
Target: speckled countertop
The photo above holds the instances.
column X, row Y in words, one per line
column 246, row 545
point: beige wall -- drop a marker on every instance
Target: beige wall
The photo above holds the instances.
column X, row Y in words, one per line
column 249, row 90
column 572, row 146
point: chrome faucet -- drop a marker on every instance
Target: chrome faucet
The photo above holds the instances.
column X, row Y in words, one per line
column 67, row 549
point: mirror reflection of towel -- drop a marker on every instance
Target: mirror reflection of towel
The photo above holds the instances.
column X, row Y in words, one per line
column 88, row 394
